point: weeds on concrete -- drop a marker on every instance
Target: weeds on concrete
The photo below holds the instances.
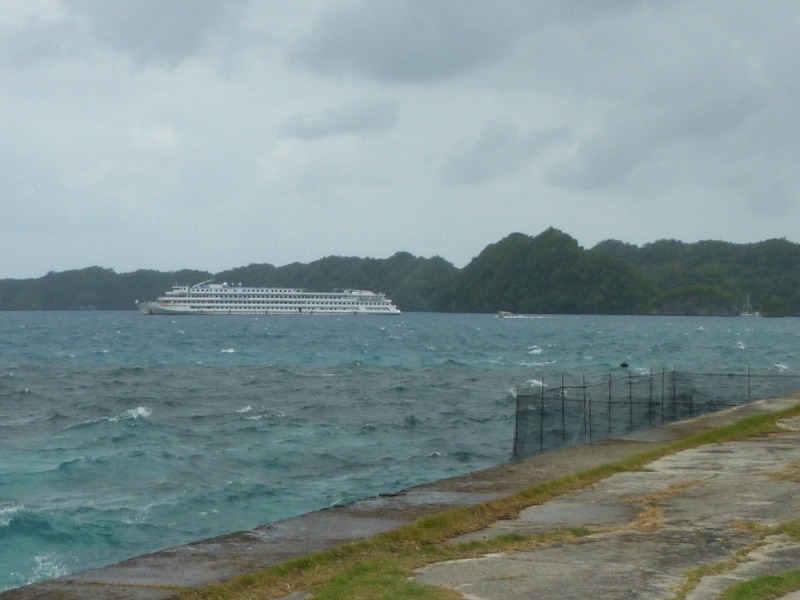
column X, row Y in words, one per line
column 651, row 517
column 692, row 577
column 380, row 567
column 790, row 473
column 767, row 587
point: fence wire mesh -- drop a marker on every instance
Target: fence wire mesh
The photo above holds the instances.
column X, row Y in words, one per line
column 576, row 411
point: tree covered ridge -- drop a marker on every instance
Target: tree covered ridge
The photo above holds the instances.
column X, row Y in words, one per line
column 410, row 281
column 547, row 273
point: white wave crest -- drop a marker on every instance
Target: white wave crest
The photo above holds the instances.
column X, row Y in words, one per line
column 48, row 566
column 781, row 368
column 740, row 345
column 246, row 409
column 534, row 350
column 134, row 413
column 227, row 351
column 7, row 513
column 534, row 383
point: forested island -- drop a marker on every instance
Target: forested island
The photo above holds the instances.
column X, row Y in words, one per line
column 547, row 274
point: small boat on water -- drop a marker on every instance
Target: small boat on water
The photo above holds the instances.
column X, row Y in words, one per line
column 747, row 309
column 209, row 298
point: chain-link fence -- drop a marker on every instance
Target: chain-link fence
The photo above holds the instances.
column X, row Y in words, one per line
column 574, row 411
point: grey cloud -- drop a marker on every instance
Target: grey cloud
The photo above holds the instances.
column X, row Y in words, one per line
column 155, row 31
column 151, row 32
column 500, row 150
column 697, row 109
column 38, row 42
column 409, row 40
column 355, row 118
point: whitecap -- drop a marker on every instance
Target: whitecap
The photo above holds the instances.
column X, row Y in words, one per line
column 781, row 368
column 246, row 409
column 7, row 513
column 534, row 350
column 48, row 566
column 534, row 383
column 134, row 413
column 228, row 351
column 740, row 345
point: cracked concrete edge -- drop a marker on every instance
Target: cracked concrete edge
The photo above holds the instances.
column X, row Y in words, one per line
column 771, row 556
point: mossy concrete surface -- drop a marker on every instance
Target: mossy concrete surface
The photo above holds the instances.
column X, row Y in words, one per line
column 700, row 492
column 691, row 525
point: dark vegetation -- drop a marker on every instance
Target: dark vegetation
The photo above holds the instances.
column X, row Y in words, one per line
column 548, row 273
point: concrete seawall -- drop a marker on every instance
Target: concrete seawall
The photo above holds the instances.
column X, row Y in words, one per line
column 157, row 576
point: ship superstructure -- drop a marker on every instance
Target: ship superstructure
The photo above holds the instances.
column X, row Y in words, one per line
column 209, row 298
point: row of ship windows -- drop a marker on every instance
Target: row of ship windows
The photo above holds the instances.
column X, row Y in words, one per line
column 299, row 297
column 295, row 303
column 279, row 308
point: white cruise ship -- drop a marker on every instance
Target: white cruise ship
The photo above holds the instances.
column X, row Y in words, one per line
column 208, row 298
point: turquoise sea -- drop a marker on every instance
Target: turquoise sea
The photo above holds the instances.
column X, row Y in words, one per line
column 122, row 434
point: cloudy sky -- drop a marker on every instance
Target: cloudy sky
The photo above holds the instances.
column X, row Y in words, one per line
column 211, row 134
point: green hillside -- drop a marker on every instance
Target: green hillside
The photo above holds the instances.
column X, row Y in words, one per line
column 547, row 273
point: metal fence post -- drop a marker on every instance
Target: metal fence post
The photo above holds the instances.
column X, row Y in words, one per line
column 584, row 403
column 541, row 420
column 609, row 405
column 517, row 452
column 563, row 420
column 630, row 399
column 674, row 395
column 748, row 383
column 650, row 399
column 590, row 417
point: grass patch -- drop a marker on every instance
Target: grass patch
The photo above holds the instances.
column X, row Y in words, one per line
column 764, row 588
column 384, row 563
column 380, row 579
column 693, row 576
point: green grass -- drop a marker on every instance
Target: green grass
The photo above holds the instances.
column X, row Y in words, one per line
column 764, row 588
column 380, row 567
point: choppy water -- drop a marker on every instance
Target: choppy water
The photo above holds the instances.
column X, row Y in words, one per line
column 122, row 434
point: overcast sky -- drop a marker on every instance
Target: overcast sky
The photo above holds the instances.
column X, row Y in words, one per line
column 211, row 134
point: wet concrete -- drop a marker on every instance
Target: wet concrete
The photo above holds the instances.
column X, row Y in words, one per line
column 693, row 505
column 159, row 575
